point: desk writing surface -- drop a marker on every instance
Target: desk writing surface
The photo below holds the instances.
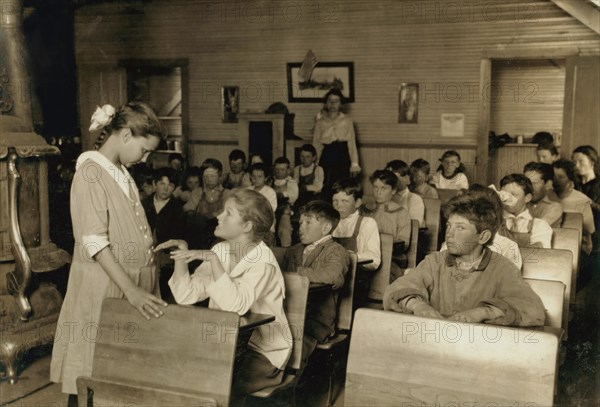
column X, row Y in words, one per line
column 251, row 320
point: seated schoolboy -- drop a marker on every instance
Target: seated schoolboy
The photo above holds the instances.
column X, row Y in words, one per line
column 467, row 283
column 191, row 192
column 239, row 275
column 322, row 260
column 540, row 206
column 237, row 177
column 164, row 213
column 565, row 179
column 499, row 244
column 419, row 177
column 547, row 153
column 258, row 177
column 177, row 162
column 519, row 225
column 355, row 232
column 411, row 201
column 286, row 189
column 166, row 220
column 391, row 218
column 309, row 176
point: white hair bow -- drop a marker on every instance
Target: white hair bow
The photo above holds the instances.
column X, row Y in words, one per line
column 102, row 117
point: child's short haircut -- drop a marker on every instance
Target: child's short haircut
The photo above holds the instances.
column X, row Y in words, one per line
column 545, row 170
column 478, row 210
column 568, row 167
column 421, row 165
column 237, row 155
column 519, row 179
column 398, row 166
column 322, row 210
column 385, row 176
column 350, row 186
column 282, row 160
column 255, row 208
column 175, row 156
column 543, row 137
column 310, row 148
column 481, row 191
column 166, row 172
column 194, row 171
column 212, row 163
column 547, row 146
column 259, row 167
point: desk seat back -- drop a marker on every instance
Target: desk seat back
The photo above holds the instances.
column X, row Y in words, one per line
column 569, row 239
column 447, row 194
column 573, row 220
column 279, row 253
column 411, row 253
column 550, row 264
column 552, row 294
column 187, row 350
column 346, row 302
column 381, row 277
column 296, row 297
column 431, row 235
column 397, row 359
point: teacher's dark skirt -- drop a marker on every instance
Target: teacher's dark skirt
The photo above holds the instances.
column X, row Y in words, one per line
column 335, row 161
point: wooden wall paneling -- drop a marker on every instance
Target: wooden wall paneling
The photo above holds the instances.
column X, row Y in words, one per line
column 436, row 44
column 581, row 123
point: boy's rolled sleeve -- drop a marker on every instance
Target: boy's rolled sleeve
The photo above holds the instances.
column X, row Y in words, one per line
column 416, row 284
column 520, row 304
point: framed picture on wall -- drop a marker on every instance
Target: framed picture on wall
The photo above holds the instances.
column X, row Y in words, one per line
column 230, row 103
column 324, row 76
column 409, row 103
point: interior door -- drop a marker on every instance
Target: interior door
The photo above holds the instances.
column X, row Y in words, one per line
column 581, row 117
column 98, row 85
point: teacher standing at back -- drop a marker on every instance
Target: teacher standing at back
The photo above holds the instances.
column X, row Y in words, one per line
column 335, row 141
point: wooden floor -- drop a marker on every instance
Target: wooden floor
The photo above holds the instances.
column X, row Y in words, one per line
column 579, row 381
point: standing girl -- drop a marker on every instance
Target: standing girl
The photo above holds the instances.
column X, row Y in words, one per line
column 239, row 275
column 451, row 172
column 113, row 255
column 335, row 142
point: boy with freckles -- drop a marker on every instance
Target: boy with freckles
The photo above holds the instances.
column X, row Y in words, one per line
column 467, row 283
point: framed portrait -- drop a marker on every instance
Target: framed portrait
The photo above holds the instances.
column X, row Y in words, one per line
column 324, row 76
column 230, row 103
column 409, row 103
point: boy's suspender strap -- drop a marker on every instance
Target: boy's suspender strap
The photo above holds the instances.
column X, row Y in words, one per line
column 357, row 227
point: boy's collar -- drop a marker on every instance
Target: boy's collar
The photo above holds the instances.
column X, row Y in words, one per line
column 352, row 215
column 321, row 240
column 485, row 260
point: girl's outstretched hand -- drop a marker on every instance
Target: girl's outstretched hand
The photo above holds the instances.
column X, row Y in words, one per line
column 191, row 255
column 175, row 243
column 147, row 304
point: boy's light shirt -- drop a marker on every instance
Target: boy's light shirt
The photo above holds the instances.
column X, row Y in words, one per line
column 368, row 242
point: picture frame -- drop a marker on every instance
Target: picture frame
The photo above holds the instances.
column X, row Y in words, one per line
column 408, row 109
column 325, row 76
column 230, row 103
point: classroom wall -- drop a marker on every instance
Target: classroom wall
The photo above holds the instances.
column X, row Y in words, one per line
column 437, row 44
column 528, row 97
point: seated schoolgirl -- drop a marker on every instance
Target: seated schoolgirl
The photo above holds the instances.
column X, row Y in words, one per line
column 451, row 172
column 239, row 275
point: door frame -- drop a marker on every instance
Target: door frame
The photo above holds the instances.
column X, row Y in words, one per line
column 485, row 77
